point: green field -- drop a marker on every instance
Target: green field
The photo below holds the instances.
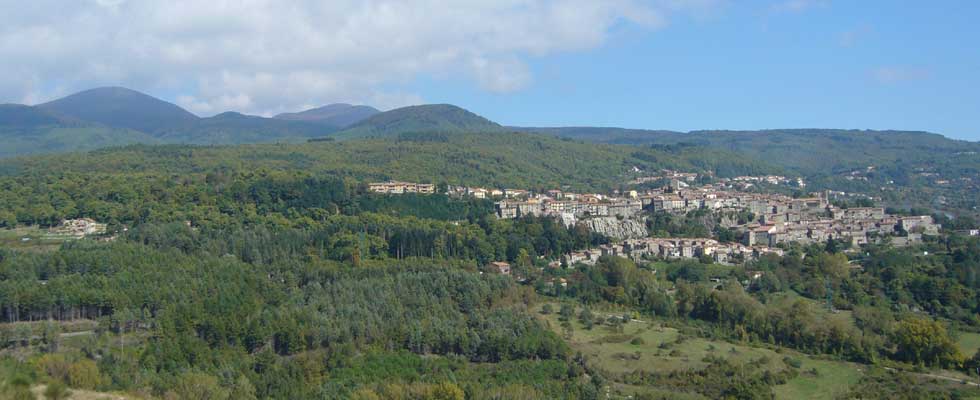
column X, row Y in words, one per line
column 29, row 238
column 661, row 351
column 969, row 343
column 832, row 378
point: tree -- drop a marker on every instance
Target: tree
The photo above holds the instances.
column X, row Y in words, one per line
column 56, row 391
column 973, row 363
column 586, row 318
column 84, row 374
column 447, row 391
column 196, row 385
column 925, row 341
column 8, row 220
column 242, row 389
column 365, row 394
column 566, row 311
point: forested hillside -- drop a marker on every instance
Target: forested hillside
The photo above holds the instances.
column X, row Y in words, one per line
column 430, row 118
column 270, row 271
column 494, row 159
column 234, row 128
column 807, row 151
column 31, row 130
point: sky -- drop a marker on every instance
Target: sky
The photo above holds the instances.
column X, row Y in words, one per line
column 657, row 64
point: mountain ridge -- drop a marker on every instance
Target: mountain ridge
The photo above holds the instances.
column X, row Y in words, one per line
column 339, row 115
column 121, row 108
column 113, row 116
column 427, row 118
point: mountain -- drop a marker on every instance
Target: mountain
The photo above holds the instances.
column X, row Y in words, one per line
column 807, row 151
column 336, row 115
column 115, row 116
column 605, row 134
column 21, row 116
column 121, row 108
column 33, row 130
column 237, row 128
column 430, row 119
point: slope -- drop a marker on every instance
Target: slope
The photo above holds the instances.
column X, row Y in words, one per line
column 495, row 159
column 32, row 130
column 430, row 118
column 335, row 115
column 804, row 150
column 236, row 128
column 122, row 108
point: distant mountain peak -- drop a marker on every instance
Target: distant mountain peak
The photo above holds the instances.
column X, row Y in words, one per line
column 340, row 115
column 231, row 114
column 426, row 118
column 121, row 107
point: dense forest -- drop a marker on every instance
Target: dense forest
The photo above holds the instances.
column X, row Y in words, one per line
column 492, row 159
column 270, row 271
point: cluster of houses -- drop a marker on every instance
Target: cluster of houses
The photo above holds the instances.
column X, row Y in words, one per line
column 667, row 175
column 746, row 181
column 78, row 228
column 396, row 187
column 781, row 219
column 515, row 203
column 484, row 193
column 568, row 209
column 673, row 248
column 763, row 220
column 858, row 226
column 675, row 198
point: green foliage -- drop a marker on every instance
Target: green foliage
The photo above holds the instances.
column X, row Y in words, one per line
column 234, row 128
column 63, row 138
column 56, row 391
column 487, row 159
column 879, row 383
column 693, row 224
column 925, row 341
column 194, row 385
column 269, row 271
column 430, row 119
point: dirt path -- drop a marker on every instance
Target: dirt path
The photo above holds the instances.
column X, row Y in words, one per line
column 948, row 378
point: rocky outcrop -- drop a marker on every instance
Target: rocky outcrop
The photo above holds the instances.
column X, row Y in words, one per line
column 617, row 229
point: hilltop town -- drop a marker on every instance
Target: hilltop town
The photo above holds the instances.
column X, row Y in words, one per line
column 762, row 222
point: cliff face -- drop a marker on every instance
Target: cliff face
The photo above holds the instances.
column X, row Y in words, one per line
column 615, row 229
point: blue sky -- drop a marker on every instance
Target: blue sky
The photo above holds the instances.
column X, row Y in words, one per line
column 855, row 64
column 653, row 64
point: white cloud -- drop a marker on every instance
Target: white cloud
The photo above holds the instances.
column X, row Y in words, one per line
column 267, row 56
column 501, row 76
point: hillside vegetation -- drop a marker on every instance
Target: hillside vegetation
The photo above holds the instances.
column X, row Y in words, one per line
column 492, row 159
column 803, row 150
column 431, row 118
column 236, row 128
column 271, row 271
